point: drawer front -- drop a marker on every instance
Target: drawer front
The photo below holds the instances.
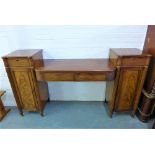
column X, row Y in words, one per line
column 90, row 77
column 71, row 76
column 135, row 61
column 18, row 62
column 56, row 77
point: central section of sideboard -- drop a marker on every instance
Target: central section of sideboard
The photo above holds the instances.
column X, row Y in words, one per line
column 76, row 70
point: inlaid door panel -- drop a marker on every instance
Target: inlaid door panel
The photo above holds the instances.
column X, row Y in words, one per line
column 26, row 89
column 127, row 87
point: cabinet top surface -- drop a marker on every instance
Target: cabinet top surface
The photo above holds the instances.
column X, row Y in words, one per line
column 128, row 52
column 100, row 65
column 23, row 53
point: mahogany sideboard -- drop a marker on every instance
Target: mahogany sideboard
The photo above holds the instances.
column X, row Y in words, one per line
column 124, row 72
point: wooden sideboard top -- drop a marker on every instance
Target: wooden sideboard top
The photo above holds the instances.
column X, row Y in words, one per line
column 75, row 70
column 22, row 53
column 128, row 52
column 76, row 65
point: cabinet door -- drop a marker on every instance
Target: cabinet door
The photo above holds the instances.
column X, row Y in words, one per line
column 127, row 89
column 24, row 83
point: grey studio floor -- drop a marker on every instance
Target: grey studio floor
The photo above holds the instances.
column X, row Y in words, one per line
column 71, row 115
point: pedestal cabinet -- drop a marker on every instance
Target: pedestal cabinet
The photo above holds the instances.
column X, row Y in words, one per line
column 123, row 93
column 30, row 94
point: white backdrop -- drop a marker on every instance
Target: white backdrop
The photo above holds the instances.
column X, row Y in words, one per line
column 68, row 42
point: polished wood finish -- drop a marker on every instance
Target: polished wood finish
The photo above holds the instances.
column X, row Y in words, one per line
column 3, row 111
column 124, row 71
column 123, row 93
column 146, row 108
column 30, row 94
column 76, row 70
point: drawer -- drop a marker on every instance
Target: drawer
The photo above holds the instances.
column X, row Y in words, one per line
column 90, row 77
column 18, row 62
column 74, row 76
column 54, row 76
column 139, row 61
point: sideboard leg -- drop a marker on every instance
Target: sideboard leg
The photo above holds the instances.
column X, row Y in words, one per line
column 110, row 114
column 105, row 101
column 132, row 114
column 48, row 100
column 42, row 113
column 21, row 112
